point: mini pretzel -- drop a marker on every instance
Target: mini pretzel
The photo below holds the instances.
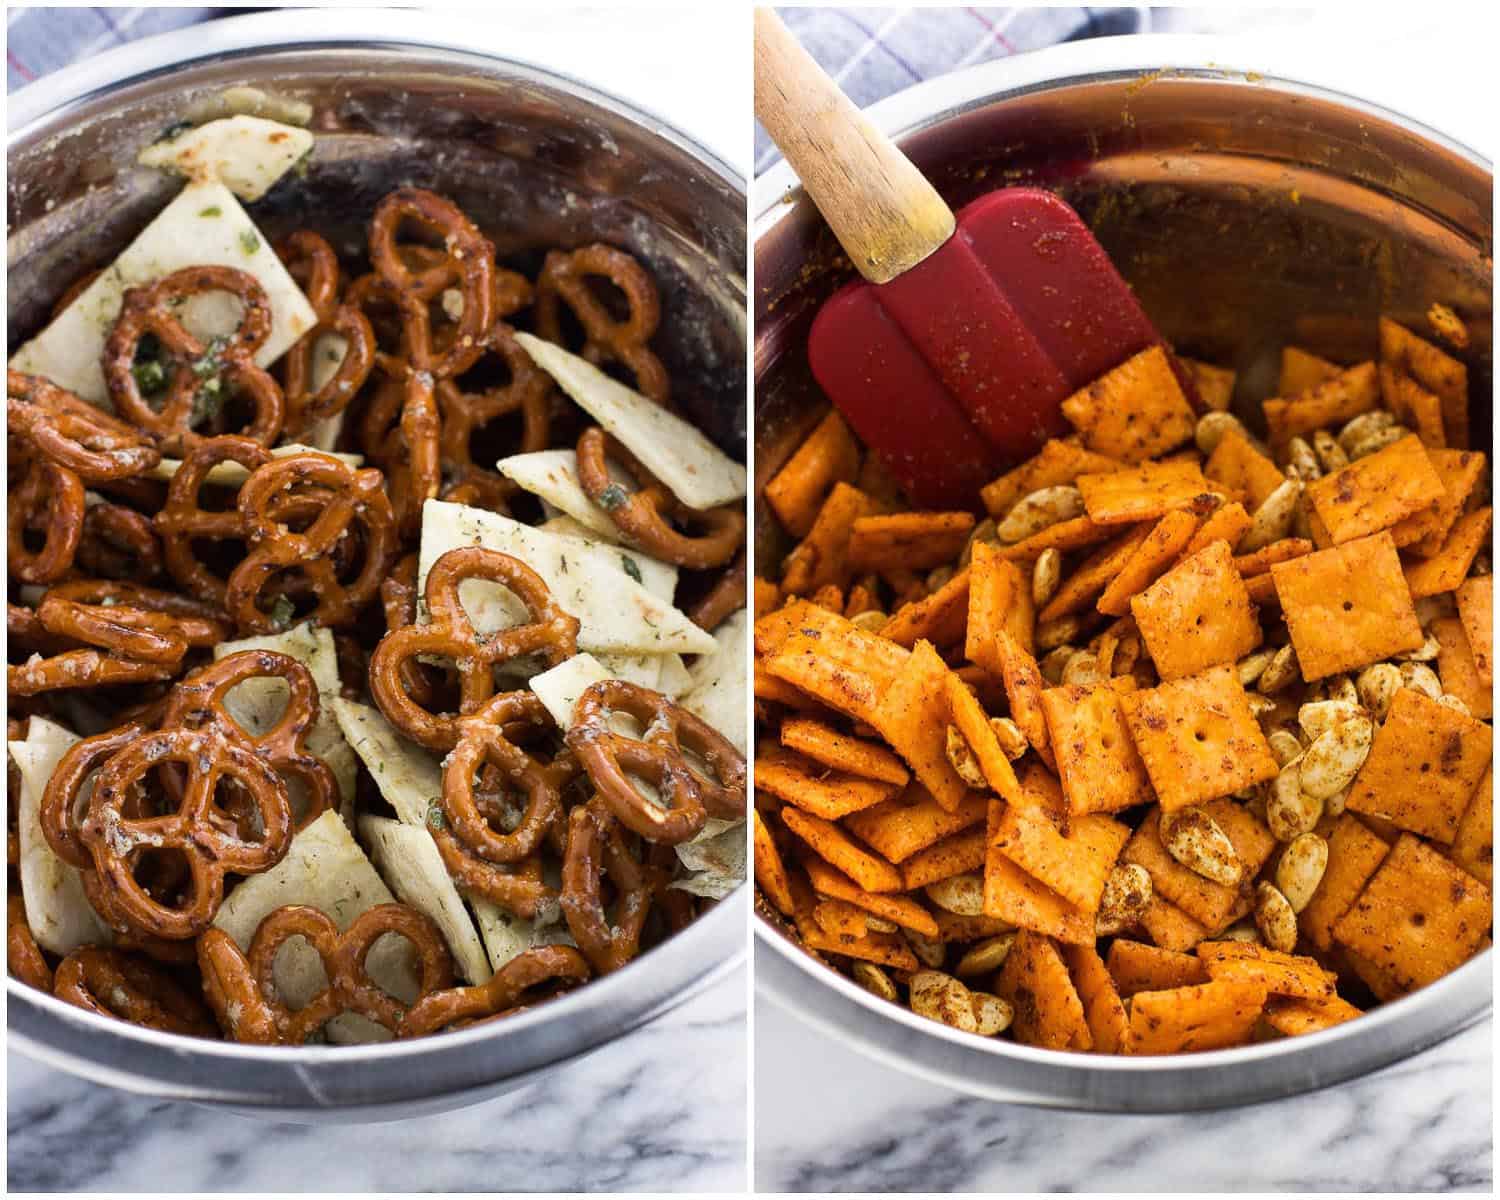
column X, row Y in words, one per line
column 241, row 988
column 49, row 498
column 74, row 669
column 482, row 742
column 73, row 433
column 596, row 848
column 59, row 816
column 507, row 990
column 183, row 520
column 201, row 625
column 24, row 957
column 549, row 632
column 345, row 497
column 115, row 984
column 657, row 756
column 724, row 599
column 119, row 543
column 563, row 281
column 153, row 310
column 310, row 260
column 645, row 515
column 205, row 834
column 518, row 887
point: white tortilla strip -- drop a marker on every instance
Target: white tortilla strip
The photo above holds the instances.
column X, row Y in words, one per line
column 56, row 908
column 258, row 704
column 246, row 154
column 615, row 613
column 229, row 473
column 718, row 693
column 641, row 669
column 675, row 679
column 657, row 577
column 408, row 860
column 553, row 475
column 716, row 858
column 559, row 688
column 203, row 226
column 326, row 869
column 409, row 778
column 507, row 935
column 695, row 470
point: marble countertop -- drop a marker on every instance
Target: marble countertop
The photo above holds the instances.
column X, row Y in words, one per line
column 829, row 1119
column 663, row 1109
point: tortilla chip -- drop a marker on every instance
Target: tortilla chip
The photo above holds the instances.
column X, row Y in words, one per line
column 1137, row 967
column 1198, row 738
column 1425, row 763
column 1354, row 855
column 1346, row 607
column 911, row 822
column 1419, row 917
column 1134, row 412
column 1048, row 1011
column 1197, row 615
column 1446, row 569
column 1207, row 1016
column 1096, row 758
column 1243, row 469
column 1376, row 491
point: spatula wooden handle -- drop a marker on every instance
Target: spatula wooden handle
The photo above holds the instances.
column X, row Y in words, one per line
column 884, row 213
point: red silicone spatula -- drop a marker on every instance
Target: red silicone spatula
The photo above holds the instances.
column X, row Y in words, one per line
column 952, row 359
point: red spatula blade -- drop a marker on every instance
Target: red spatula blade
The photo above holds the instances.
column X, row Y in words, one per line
column 1014, row 313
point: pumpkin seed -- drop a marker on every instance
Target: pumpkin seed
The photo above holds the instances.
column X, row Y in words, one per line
column 1046, row 574
column 875, row 981
column 1195, row 840
column 1377, row 686
column 960, row 894
column 1040, row 510
column 940, row 997
column 1301, row 869
column 992, row 1015
column 1275, row 918
column 1126, row 896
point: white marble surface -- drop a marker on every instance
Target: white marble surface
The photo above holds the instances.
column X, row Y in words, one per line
column 829, row 1119
column 660, row 1110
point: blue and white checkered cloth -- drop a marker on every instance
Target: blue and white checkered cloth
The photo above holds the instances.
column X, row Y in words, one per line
column 873, row 52
column 40, row 40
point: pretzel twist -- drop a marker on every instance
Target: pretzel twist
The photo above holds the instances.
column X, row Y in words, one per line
column 183, row 520
column 49, row 499
column 115, row 984
column 24, row 957
column 241, row 987
column 657, row 756
column 198, row 370
column 564, row 281
column 597, row 848
column 512, row 988
column 73, row 433
column 725, row 598
column 119, row 543
column 549, row 631
column 645, row 515
column 310, row 260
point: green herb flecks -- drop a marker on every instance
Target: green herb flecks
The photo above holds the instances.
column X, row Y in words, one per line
column 150, row 376
column 212, row 210
column 282, row 612
column 613, row 497
column 249, row 242
column 436, row 819
column 630, row 567
column 172, row 132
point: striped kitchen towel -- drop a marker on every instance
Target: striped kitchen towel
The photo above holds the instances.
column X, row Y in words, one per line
column 40, row 40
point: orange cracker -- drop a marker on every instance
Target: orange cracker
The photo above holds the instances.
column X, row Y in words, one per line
column 1446, row 569
column 824, row 793
column 1293, row 1018
column 1048, row 1011
column 913, row 821
column 1425, row 763
column 939, row 618
column 887, row 949
column 1096, row 758
column 1280, row 974
column 1242, row 468
column 829, row 596
column 1072, row 534
column 1142, row 493
column 1012, row 895
column 825, row 744
column 1374, row 492
column 767, row 597
column 1197, row 615
column 1229, row 522
column 1419, row 917
column 913, row 718
column 1092, row 575
column 1215, row 384
column 1207, row 1016
column 1436, row 371
column 822, row 557
column 1354, row 854
column 1262, row 591
column 1134, row 412
column 1457, row 669
column 1262, row 560
column 1211, row 904
column 954, row 927
column 915, row 540
column 1102, row 1007
column 1171, row 928
column 1424, row 532
column 1158, row 551
column 829, row 455
column 903, row 910
column 863, row 597
column 1347, row 606
column 831, row 844
column 1059, row 461
column 1198, row 738
column 1139, row 967
column 999, row 602
column 1414, row 406
column 1023, row 689
column 1328, row 405
column 951, row 856
column 1075, row 864
column 768, row 687
column 1475, row 599
column 974, row 724
column 1474, row 844
column 804, row 663
column 770, row 871
column 1301, row 371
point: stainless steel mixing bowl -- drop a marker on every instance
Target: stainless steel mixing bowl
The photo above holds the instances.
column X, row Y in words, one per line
column 1249, row 204
column 539, row 160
